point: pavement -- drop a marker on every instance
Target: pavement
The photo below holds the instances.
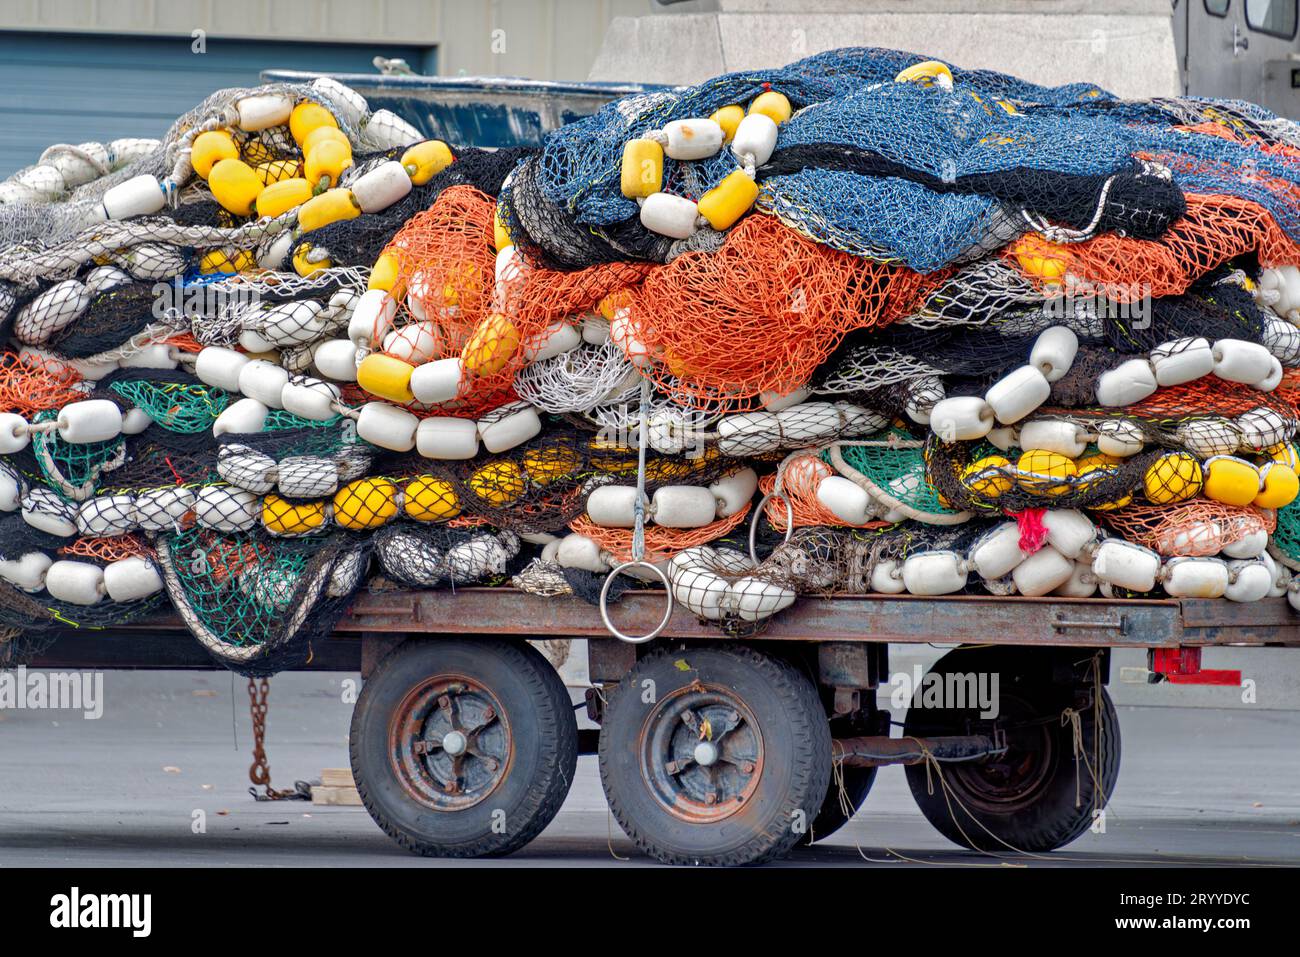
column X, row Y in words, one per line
column 161, row 780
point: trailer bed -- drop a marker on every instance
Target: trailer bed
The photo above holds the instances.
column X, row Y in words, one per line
column 377, row 620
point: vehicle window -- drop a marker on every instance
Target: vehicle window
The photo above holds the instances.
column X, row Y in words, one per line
column 1274, row 17
column 1217, row 8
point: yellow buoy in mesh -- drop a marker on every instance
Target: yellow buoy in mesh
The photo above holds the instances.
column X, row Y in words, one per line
column 609, row 456
column 282, row 517
column 235, row 186
column 308, row 117
column 545, row 466
column 988, row 477
column 364, row 504
column 209, row 149
column 1231, row 480
column 424, row 161
column 1089, row 459
column 222, row 260
column 671, row 469
column 305, row 267
column 613, row 302
column 498, row 483
column 728, row 118
column 772, row 104
column 642, row 171
column 282, row 196
column 729, row 200
column 331, row 206
column 1280, row 484
column 1285, row 454
column 1174, row 477
column 386, row 377
column 430, row 499
column 1040, row 259
column 929, row 73
column 463, row 286
column 1096, row 473
column 255, row 152
column 493, row 344
column 1044, row 472
column 274, row 171
column 383, row 275
column 500, row 232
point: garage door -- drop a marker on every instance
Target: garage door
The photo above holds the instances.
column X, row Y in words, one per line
column 71, row 88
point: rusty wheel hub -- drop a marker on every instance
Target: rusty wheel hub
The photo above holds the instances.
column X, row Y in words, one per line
column 701, row 753
column 1012, row 780
column 450, row 743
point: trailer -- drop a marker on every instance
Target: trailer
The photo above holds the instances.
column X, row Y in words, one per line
column 723, row 750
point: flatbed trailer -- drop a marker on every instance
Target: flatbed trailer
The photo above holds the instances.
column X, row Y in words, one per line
column 727, row 750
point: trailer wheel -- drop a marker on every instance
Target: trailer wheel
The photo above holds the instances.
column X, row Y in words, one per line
column 1035, row 797
column 717, row 756
column 463, row 748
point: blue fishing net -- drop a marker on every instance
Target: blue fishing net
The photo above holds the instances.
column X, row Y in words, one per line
column 913, row 174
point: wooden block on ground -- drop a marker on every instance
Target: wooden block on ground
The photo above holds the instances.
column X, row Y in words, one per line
column 337, row 778
column 324, row 794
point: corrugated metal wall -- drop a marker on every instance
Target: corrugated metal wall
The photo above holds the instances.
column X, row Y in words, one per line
column 74, row 88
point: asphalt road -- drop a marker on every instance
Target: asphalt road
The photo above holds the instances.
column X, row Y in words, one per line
column 1197, row 786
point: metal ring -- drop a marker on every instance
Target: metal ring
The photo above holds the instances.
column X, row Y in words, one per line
column 753, row 522
column 604, row 603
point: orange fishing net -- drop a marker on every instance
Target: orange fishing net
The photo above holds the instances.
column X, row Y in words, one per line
column 1208, row 396
column 661, row 543
column 1198, row 399
column 799, row 487
column 1196, row 527
column 230, row 557
column 760, row 313
column 447, row 270
column 1215, row 229
column 30, row 384
column 109, row 549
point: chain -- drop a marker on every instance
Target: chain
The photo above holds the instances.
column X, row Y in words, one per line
column 260, row 771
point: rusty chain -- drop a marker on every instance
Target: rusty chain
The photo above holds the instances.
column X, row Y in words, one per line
column 260, row 770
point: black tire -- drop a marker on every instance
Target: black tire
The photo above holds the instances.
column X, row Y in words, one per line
column 768, row 780
column 832, row 816
column 517, row 769
column 1026, row 799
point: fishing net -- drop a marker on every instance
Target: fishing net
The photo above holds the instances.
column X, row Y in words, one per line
column 894, row 472
column 1284, row 542
column 661, row 543
column 1196, row 527
column 360, row 241
column 758, row 315
column 1196, row 415
column 447, row 265
column 258, row 605
column 1215, row 229
column 421, row 556
column 978, row 478
column 906, row 239
column 792, row 494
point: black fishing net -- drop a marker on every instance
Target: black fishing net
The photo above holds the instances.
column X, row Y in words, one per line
column 359, row 241
column 430, row 556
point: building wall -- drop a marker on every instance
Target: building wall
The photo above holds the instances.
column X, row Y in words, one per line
column 543, row 39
